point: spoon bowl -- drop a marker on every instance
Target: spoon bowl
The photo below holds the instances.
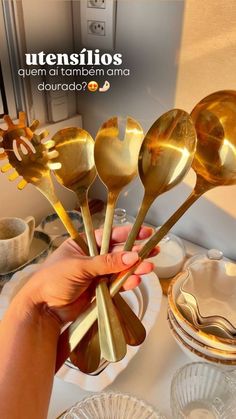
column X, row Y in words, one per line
column 215, row 122
column 116, row 160
column 75, row 147
column 165, row 157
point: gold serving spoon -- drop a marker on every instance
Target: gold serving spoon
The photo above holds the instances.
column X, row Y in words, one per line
column 116, row 164
column 171, row 138
column 77, row 173
column 75, row 148
column 33, row 159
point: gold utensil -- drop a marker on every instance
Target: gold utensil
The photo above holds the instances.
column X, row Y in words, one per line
column 170, row 139
column 214, row 161
column 76, row 150
column 33, row 159
column 178, row 168
column 116, row 164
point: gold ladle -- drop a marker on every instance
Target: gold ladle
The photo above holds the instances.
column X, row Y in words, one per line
column 170, row 139
column 116, row 164
column 33, row 159
column 75, row 149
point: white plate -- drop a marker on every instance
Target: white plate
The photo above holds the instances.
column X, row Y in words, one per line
column 146, row 301
column 152, row 295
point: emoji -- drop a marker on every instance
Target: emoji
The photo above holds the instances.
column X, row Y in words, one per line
column 105, row 87
column 92, row 86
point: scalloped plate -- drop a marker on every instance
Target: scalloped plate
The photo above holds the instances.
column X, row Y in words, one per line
column 146, row 300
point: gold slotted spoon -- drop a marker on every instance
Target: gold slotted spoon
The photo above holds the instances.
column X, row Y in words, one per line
column 33, row 159
column 116, row 163
column 77, row 173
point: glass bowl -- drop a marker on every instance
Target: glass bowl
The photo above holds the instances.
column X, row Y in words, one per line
column 112, row 406
column 203, row 391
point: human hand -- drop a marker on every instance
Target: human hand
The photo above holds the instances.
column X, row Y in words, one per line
column 66, row 280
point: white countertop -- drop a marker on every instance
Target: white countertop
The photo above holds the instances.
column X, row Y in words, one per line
column 148, row 375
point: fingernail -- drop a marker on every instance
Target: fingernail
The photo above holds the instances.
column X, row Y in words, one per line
column 145, row 232
column 129, row 258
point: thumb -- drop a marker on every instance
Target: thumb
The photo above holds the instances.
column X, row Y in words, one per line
column 108, row 263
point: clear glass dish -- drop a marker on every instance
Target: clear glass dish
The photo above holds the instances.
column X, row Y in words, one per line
column 112, row 406
column 203, row 391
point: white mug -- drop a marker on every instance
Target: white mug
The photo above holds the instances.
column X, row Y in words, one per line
column 15, row 239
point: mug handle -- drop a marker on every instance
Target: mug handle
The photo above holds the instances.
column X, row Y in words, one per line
column 31, row 223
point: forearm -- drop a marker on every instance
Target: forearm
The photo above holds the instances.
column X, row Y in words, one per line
column 28, row 337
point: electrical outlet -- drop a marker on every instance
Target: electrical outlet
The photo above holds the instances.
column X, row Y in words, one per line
column 96, row 27
column 97, row 23
column 97, row 4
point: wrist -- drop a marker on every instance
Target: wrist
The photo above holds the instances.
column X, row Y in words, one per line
column 25, row 311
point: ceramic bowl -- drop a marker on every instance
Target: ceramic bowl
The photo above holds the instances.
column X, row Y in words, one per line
column 39, row 249
column 213, row 325
column 112, row 406
column 196, row 344
column 195, row 355
column 211, row 286
column 52, row 225
column 205, row 338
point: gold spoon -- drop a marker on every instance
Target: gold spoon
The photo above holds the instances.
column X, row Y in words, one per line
column 116, row 164
column 162, row 143
column 32, row 159
column 170, row 139
column 76, row 150
column 177, row 167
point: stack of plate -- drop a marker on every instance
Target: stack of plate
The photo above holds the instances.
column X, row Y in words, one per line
column 202, row 310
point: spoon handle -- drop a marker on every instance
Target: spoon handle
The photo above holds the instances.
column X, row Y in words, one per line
column 154, row 240
column 88, row 360
column 76, row 331
column 111, row 202
column 88, row 225
column 146, row 203
column 111, row 336
column 46, row 188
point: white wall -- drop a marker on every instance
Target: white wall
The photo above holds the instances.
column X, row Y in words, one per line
column 206, row 61
column 207, row 64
